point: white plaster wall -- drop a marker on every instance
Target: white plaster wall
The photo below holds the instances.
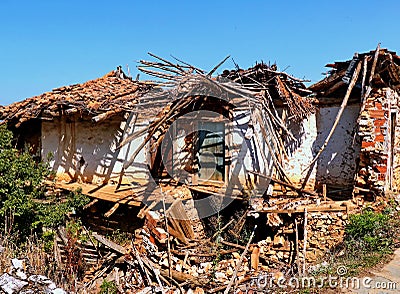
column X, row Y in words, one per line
column 248, row 153
column 86, row 151
column 336, row 165
column 300, row 153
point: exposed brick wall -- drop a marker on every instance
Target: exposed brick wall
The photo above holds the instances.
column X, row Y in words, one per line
column 376, row 150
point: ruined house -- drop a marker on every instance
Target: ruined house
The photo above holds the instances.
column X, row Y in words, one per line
column 108, row 136
column 77, row 128
column 255, row 146
column 368, row 130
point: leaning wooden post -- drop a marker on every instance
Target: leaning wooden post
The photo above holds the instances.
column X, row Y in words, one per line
column 305, row 241
column 239, row 264
column 297, row 245
column 337, row 119
column 168, row 241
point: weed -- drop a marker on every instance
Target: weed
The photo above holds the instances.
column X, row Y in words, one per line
column 108, row 287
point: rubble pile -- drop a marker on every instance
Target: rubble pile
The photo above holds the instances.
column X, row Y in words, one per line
column 268, row 240
column 19, row 280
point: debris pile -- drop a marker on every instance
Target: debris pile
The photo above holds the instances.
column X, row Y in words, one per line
column 275, row 232
column 19, row 280
column 278, row 86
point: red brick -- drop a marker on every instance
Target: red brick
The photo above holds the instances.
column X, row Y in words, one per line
column 381, row 168
column 379, row 138
column 365, row 144
column 379, row 122
column 381, row 177
column 373, row 113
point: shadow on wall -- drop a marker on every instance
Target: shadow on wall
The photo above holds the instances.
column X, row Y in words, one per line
column 297, row 130
column 336, row 167
column 87, row 152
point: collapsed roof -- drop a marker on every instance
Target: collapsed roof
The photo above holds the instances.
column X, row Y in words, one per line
column 254, row 90
column 265, row 79
column 100, row 98
column 381, row 68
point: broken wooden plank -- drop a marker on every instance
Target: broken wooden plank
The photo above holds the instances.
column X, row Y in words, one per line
column 291, row 186
column 301, row 210
column 240, row 261
column 112, row 210
column 108, row 243
column 90, row 204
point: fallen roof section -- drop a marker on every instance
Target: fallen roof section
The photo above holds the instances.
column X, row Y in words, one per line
column 380, row 69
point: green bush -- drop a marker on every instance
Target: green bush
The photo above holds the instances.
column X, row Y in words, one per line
column 21, row 181
column 22, row 185
column 370, row 232
column 54, row 213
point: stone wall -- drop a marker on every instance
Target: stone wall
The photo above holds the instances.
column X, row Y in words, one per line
column 325, row 232
column 377, row 155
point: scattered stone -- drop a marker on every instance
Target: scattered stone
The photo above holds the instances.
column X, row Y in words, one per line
column 11, row 285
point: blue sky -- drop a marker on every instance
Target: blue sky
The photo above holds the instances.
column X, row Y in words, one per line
column 48, row 44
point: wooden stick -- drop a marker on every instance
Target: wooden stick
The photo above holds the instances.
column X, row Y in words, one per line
column 166, row 61
column 217, row 66
column 365, row 66
column 297, row 244
column 141, row 264
column 110, row 244
column 112, row 210
column 189, row 65
column 223, row 228
column 157, row 65
column 371, row 76
column 337, row 119
column 330, row 208
column 220, row 252
column 305, row 241
column 324, row 191
column 240, row 262
column 220, row 288
column 91, row 203
column 298, row 190
column 232, row 245
column 168, row 242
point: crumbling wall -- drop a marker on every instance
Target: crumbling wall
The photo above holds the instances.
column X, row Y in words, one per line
column 337, row 165
column 377, row 153
column 325, row 231
column 248, row 151
column 87, row 152
column 300, row 153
